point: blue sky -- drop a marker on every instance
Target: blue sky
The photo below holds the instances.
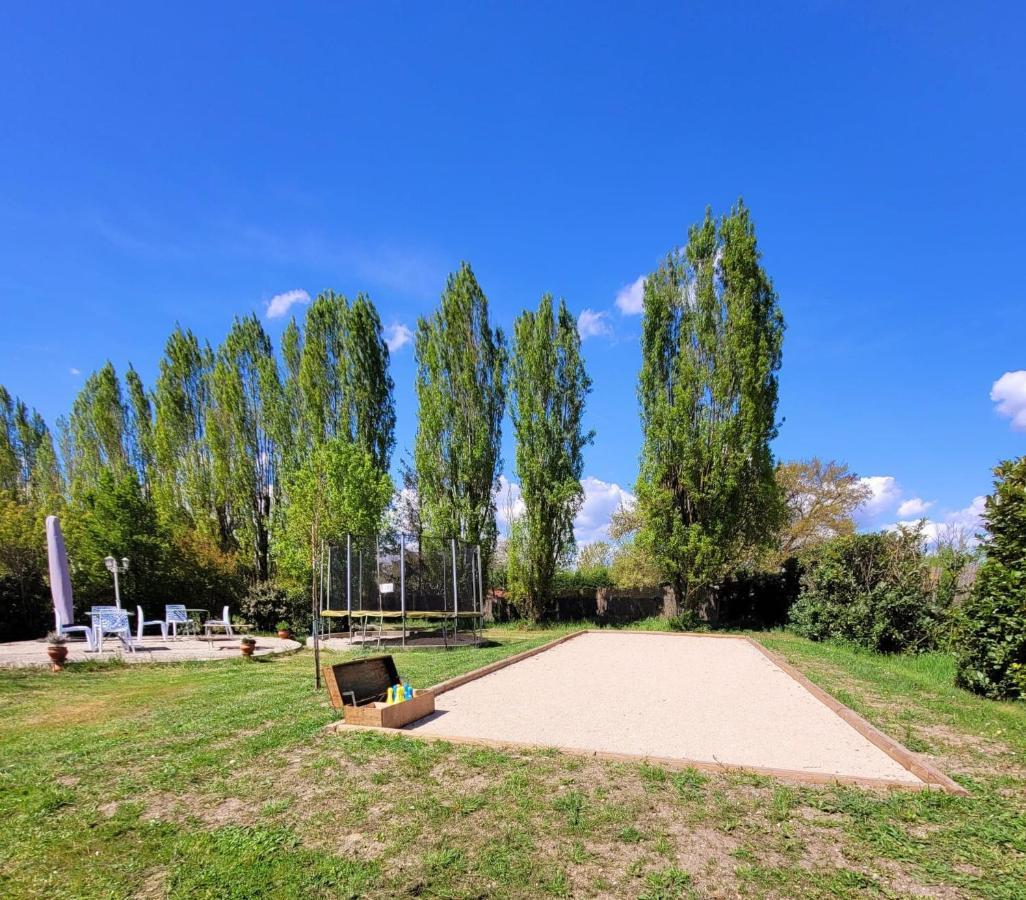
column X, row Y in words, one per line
column 189, row 163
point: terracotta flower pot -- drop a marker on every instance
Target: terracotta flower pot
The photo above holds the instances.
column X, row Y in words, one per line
column 57, row 653
column 284, row 634
column 247, row 649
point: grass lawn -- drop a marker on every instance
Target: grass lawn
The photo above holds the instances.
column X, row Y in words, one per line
column 217, row 779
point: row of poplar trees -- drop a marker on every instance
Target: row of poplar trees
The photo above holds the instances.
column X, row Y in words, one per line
column 241, row 458
column 246, row 457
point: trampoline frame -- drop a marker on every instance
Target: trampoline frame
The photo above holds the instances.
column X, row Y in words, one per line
column 449, row 620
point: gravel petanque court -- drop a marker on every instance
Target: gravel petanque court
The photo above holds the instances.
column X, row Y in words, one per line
column 682, row 697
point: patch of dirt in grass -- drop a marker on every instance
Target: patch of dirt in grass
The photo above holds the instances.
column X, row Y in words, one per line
column 903, row 884
column 969, row 753
column 154, row 886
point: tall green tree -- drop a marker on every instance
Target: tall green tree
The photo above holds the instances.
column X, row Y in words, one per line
column 371, row 407
column 295, row 438
column 28, row 463
column 337, row 489
column 711, row 348
column 547, row 386
column 991, row 642
column 97, row 439
column 243, row 431
column 343, row 376
column 183, row 479
column 139, row 428
column 461, row 391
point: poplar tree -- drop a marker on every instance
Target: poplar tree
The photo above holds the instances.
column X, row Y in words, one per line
column 343, row 377
column 183, row 486
column 242, row 430
column 711, row 347
column 29, row 471
column 462, row 394
column 368, row 385
column 294, row 438
column 97, row 431
column 139, row 429
column 322, row 366
column 548, row 386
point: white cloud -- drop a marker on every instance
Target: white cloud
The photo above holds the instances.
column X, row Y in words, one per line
column 280, row 304
column 884, row 495
column 965, row 523
column 1009, row 393
column 914, row 506
column 593, row 324
column 397, row 336
column 74, row 371
column 601, row 500
column 630, row 299
column 509, row 504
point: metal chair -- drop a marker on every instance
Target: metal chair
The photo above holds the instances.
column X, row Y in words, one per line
column 64, row 628
column 224, row 622
column 177, row 616
column 141, row 624
column 111, row 620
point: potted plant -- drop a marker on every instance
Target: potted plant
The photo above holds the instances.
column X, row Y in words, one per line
column 247, row 645
column 284, row 630
column 56, row 649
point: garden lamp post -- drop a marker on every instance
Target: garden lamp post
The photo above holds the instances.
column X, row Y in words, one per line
column 116, row 568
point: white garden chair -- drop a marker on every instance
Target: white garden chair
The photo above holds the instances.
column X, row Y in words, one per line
column 224, row 622
column 67, row 628
column 141, row 624
column 114, row 621
column 177, row 616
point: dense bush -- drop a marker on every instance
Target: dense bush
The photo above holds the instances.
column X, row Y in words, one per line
column 267, row 604
column 871, row 589
column 992, row 623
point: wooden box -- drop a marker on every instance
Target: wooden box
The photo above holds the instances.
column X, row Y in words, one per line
column 359, row 689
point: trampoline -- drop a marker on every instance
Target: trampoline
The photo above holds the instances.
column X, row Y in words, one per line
column 402, row 589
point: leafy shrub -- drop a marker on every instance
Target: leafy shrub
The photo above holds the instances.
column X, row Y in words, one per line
column 870, row 589
column 992, row 623
column 266, row 604
column 687, row 620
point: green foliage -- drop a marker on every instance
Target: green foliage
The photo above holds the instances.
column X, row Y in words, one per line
column 25, row 607
column 31, row 487
column 711, row 347
column 342, row 375
column 139, row 429
column 271, row 607
column 337, row 490
column 183, row 479
column 97, row 437
column 244, row 428
column 991, row 639
column 461, row 392
column 548, row 386
column 114, row 518
column 870, row 589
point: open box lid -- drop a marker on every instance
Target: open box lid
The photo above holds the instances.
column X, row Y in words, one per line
column 360, row 681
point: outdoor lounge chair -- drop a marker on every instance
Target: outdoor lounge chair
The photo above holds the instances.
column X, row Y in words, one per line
column 141, row 624
column 177, row 616
column 111, row 620
column 224, row 622
column 64, row 628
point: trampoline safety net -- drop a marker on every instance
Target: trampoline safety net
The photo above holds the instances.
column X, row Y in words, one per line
column 401, row 587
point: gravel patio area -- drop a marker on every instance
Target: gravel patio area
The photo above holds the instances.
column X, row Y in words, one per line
column 152, row 649
column 704, row 699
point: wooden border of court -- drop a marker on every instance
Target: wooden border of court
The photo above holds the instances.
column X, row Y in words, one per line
column 929, row 776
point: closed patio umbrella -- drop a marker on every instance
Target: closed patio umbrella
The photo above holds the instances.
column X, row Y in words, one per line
column 60, row 578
